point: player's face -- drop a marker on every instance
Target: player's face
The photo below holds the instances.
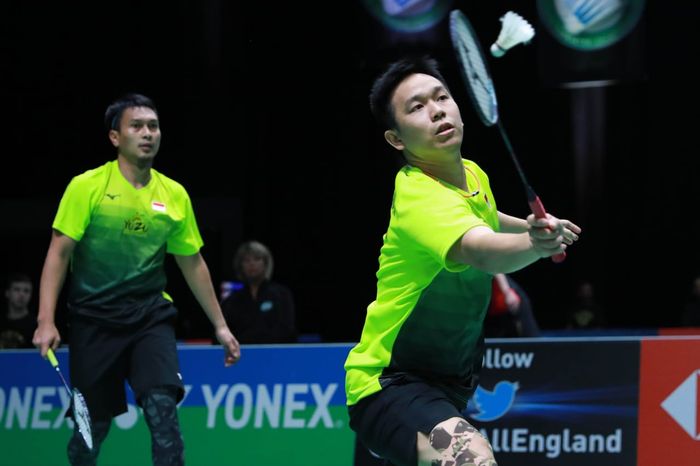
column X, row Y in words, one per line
column 427, row 118
column 19, row 294
column 138, row 138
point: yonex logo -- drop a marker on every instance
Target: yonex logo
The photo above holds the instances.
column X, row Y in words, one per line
column 682, row 405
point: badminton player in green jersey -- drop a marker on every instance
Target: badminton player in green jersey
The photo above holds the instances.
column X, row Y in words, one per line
column 113, row 227
column 409, row 378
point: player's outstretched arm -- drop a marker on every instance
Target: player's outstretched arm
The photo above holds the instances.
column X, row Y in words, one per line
column 493, row 252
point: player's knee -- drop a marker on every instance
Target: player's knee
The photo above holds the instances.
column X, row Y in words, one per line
column 160, row 411
column 459, row 443
column 159, row 406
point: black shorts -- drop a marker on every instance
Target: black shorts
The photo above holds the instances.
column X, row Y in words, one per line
column 102, row 358
column 388, row 421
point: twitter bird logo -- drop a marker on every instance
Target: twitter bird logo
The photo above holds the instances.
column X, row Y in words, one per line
column 491, row 405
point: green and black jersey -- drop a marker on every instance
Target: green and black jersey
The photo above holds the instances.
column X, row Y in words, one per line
column 122, row 236
column 428, row 315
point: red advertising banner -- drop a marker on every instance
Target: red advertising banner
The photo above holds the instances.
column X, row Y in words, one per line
column 669, row 425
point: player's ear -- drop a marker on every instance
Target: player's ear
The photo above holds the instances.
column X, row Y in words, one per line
column 392, row 137
column 114, row 137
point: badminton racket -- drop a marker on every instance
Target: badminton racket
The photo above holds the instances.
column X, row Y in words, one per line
column 483, row 96
column 81, row 415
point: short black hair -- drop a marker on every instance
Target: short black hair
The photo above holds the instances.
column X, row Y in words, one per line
column 114, row 112
column 385, row 85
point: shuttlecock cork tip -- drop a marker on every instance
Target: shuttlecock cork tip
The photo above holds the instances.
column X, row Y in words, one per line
column 497, row 51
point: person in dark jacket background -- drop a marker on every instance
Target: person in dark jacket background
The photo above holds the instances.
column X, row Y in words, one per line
column 262, row 311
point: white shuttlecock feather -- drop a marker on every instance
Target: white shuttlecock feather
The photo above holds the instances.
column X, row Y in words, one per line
column 581, row 16
column 514, row 30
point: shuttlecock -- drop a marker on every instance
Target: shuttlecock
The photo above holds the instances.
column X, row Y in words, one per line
column 514, row 30
column 581, row 16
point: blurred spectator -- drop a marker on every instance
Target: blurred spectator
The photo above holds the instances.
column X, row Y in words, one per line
column 691, row 311
column 17, row 323
column 586, row 312
column 261, row 311
column 510, row 311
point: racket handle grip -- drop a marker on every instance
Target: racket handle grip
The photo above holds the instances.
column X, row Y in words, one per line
column 52, row 358
column 537, row 208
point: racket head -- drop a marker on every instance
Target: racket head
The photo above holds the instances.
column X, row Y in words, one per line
column 473, row 69
column 81, row 416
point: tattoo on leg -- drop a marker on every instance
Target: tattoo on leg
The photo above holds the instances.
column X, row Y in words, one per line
column 461, row 445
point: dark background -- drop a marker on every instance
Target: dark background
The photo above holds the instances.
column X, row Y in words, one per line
column 265, row 121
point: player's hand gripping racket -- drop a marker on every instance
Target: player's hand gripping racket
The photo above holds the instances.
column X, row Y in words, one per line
column 80, row 411
column 483, row 95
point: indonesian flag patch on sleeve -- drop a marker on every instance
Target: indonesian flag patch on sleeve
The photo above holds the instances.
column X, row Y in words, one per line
column 158, row 206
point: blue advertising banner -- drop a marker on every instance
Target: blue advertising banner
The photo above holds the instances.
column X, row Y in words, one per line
column 279, row 404
column 542, row 402
column 567, row 403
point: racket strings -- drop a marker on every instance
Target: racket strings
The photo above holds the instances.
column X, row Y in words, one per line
column 82, row 417
column 473, row 69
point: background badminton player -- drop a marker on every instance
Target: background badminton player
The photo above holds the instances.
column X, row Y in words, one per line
column 114, row 226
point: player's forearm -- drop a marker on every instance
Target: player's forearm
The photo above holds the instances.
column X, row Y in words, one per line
column 494, row 252
column 510, row 224
column 198, row 278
